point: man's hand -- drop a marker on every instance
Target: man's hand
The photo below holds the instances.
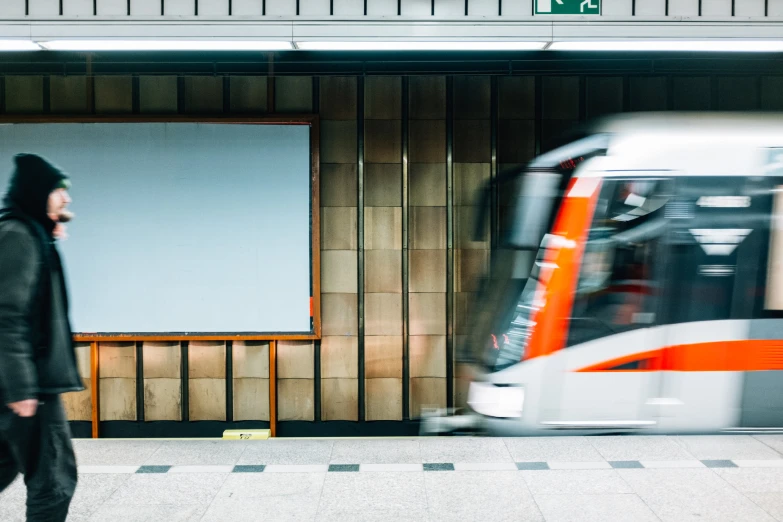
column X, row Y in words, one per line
column 25, row 408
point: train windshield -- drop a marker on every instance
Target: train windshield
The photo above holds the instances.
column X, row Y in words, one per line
column 528, row 202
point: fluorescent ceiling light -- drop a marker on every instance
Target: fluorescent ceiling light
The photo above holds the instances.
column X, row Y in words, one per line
column 18, row 45
column 372, row 45
column 165, row 45
column 672, row 45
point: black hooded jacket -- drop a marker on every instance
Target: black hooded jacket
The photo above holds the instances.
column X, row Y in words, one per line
column 36, row 348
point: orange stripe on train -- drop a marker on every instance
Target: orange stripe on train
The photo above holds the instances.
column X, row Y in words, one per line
column 718, row 356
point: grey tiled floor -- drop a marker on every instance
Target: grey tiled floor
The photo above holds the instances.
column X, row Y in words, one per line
column 638, row 478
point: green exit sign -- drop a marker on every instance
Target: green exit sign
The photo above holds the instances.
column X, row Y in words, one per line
column 568, row 7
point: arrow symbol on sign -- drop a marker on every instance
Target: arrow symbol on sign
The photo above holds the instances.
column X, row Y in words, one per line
column 559, row 2
column 588, row 3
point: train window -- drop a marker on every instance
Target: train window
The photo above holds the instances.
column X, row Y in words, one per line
column 717, row 246
column 617, row 289
column 774, row 289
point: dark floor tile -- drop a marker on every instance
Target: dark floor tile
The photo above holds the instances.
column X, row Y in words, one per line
column 719, row 463
column 439, row 466
column 249, row 468
column 153, row 469
column 625, row 464
column 344, row 467
column 532, row 465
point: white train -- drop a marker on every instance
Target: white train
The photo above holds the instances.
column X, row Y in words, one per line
column 655, row 298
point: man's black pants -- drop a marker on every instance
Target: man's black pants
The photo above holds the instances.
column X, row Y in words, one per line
column 39, row 448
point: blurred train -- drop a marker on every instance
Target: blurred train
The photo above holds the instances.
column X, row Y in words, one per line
column 637, row 284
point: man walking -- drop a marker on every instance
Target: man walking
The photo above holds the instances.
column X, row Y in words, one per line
column 37, row 359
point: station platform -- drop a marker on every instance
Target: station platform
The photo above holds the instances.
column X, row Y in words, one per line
column 638, row 478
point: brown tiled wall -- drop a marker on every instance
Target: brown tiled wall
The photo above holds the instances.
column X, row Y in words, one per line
column 531, row 113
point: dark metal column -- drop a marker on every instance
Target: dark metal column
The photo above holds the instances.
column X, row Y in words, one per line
column 139, row 381
column 450, row 241
column 360, row 234
column 406, row 370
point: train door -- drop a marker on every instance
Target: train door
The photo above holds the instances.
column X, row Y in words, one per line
column 604, row 379
column 718, row 238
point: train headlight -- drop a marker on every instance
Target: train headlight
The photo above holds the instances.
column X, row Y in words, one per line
column 506, row 401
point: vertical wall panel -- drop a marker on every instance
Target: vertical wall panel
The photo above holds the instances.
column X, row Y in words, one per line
column 775, row 7
column 44, row 8
column 604, row 95
column 348, row 7
column 617, row 7
column 179, row 7
column 294, row 360
column 295, row 372
column 484, row 7
column 203, row 94
column 251, row 380
column 383, row 98
column 151, row 7
column 383, row 314
column 314, row 7
column 246, row 7
column 339, row 399
column 749, row 8
column 737, row 93
column 428, row 185
column 206, row 381
column 427, row 98
column 294, row 94
column 383, row 141
column 651, row 8
column 338, row 271
column 24, row 94
column 382, row 185
column 281, row 7
column 381, row 8
column 68, row 94
column 772, row 93
column 113, row 94
column 337, row 106
column 339, row 356
column 516, row 97
column 648, row 93
column 338, row 184
column 384, row 399
column 338, row 98
column 683, row 8
column 162, row 382
column 691, row 93
column 383, row 271
column 248, row 94
column 79, row 8
column 112, row 7
column 518, row 8
column 158, row 94
column 416, row 8
column 297, row 399
column 427, row 392
column 716, row 7
column 450, row 8
column 213, row 7
column 12, row 8
column 338, row 141
column 560, row 97
column 117, row 381
column 339, row 314
column 78, row 405
column 428, row 356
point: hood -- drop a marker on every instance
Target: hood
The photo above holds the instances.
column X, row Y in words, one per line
column 34, row 178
